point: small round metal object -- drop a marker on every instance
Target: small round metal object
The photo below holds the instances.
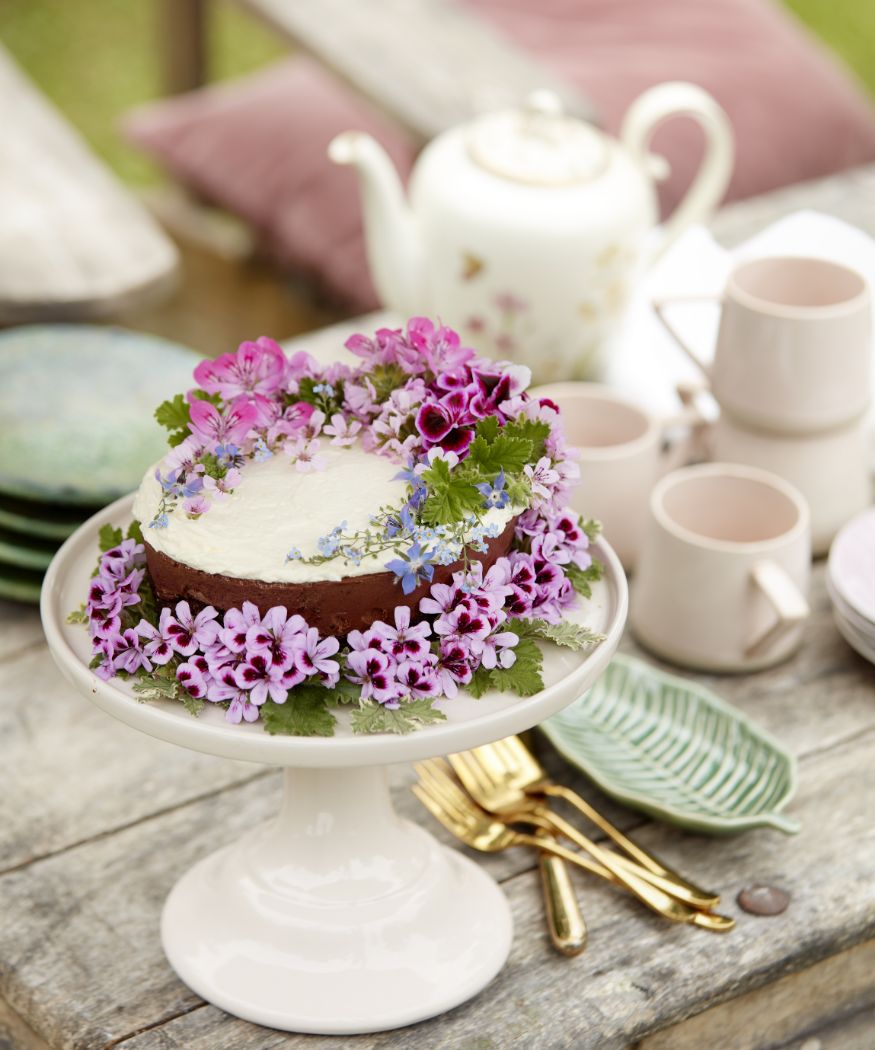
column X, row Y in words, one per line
column 763, row 900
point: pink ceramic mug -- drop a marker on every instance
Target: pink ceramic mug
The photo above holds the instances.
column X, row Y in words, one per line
column 793, row 350
column 622, row 450
column 723, row 574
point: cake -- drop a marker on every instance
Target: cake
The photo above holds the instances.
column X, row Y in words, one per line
column 382, row 533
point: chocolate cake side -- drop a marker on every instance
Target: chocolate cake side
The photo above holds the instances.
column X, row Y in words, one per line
column 333, row 606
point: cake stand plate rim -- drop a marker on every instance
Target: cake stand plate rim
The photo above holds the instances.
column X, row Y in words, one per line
column 227, row 741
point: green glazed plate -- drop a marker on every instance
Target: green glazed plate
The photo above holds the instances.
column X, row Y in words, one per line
column 76, row 403
column 26, row 552
column 41, row 519
column 20, row 585
column 676, row 751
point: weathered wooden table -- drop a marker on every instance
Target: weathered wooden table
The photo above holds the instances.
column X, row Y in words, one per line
column 74, row 243
column 97, row 822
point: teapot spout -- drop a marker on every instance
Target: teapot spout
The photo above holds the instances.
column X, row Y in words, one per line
column 391, row 234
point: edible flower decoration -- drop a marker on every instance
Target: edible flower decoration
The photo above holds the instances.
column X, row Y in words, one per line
column 478, row 456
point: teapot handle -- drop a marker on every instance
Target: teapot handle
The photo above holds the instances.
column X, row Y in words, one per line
column 678, row 99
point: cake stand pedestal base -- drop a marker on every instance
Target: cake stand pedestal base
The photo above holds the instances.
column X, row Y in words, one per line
column 337, row 917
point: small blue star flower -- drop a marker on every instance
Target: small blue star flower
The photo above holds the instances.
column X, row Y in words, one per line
column 411, row 567
column 324, row 388
column 494, row 495
column 262, row 452
column 294, row 554
column 159, row 523
column 227, row 454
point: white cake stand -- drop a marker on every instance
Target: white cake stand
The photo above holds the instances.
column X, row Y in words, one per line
column 336, row 917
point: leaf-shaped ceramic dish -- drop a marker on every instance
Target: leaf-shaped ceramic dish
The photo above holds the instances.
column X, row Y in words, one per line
column 675, row 750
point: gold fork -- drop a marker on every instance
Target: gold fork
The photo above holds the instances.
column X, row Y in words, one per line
column 514, row 806
column 462, row 817
column 510, row 771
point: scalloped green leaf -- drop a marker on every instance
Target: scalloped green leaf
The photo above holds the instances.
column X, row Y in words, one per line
column 673, row 749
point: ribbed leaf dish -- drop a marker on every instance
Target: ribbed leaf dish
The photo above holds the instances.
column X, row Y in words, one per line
column 675, row 750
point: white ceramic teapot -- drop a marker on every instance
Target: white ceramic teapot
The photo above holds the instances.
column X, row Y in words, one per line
column 527, row 228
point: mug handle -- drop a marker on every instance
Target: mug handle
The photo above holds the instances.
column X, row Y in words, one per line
column 659, row 306
column 680, row 99
column 680, row 452
column 782, row 593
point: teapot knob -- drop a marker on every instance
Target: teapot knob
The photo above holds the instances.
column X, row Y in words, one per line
column 544, row 103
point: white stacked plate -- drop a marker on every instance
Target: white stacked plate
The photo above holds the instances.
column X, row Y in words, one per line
column 850, row 580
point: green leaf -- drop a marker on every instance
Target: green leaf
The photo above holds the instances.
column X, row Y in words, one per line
column 135, row 533
column 202, row 395
column 109, row 537
column 582, row 579
column 487, row 429
column 534, row 430
column 374, row 718
column 592, row 529
column 173, row 414
column 212, row 467
column 77, row 615
column 385, row 379
column 509, row 454
column 451, row 496
column 305, row 713
column 480, row 683
column 570, row 635
column 177, row 438
column 524, row 677
column 161, row 687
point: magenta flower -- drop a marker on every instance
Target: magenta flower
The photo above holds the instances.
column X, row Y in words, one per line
column 313, row 656
column 464, row 623
column 343, row 432
column 128, row 655
column 402, row 641
column 187, row 632
column 374, row 672
column 453, row 667
column 256, row 368
column 440, row 598
column 236, row 624
column 417, row 678
column 159, row 645
column 497, row 650
column 213, row 427
column 439, row 348
column 447, row 422
column 277, row 634
column 193, row 679
column 262, row 678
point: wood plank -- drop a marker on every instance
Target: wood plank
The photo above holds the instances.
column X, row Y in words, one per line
column 65, row 922
column 183, row 44
column 15, row 1034
column 74, row 243
column 834, row 991
column 428, row 64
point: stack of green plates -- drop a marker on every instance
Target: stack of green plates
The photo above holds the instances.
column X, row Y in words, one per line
column 76, row 432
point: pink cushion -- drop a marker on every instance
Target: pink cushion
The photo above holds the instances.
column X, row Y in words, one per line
column 257, row 146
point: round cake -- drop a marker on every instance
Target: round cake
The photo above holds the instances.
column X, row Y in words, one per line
column 379, row 533
column 238, row 551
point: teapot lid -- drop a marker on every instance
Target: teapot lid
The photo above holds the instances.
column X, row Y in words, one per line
column 538, row 145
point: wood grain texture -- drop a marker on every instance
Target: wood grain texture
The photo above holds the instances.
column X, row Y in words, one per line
column 380, row 49
column 67, row 921
column 840, row 987
column 74, row 244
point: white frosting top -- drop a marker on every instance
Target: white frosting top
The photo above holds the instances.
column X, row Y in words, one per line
column 276, row 507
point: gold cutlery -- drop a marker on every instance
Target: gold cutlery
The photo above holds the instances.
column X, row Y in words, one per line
column 461, row 816
column 511, row 775
column 564, row 919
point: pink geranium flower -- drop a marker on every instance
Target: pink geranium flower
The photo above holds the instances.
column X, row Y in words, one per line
column 213, row 427
column 256, row 368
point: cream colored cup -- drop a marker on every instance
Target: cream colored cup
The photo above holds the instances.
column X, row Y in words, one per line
column 831, row 469
column 724, row 569
column 794, row 345
column 622, row 451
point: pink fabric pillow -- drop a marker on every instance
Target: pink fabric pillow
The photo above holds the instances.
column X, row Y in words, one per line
column 257, row 146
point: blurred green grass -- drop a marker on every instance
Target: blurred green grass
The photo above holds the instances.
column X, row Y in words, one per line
column 96, row 59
